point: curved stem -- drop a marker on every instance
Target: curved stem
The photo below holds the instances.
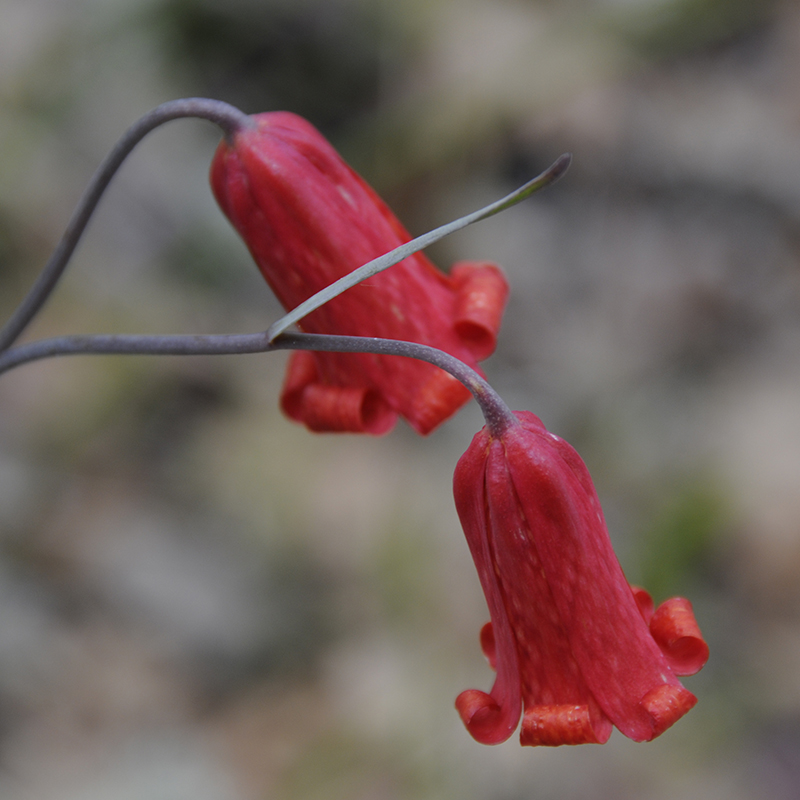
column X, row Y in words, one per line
column 134, row 344
column 497, row 414
column 228, row 117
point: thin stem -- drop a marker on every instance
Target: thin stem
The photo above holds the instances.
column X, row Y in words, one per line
column 497, row 414
column 550, row 175
column 134, row 344
column 229, row 118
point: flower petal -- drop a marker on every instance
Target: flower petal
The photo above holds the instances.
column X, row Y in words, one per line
column 481, row 294
column 666, row 704
column 617, row 656
column 328, row 408
column 483, row 716
column 490, row 719
column 644, row 602
column 676, row 632
column 488, row 645
column 562, row 724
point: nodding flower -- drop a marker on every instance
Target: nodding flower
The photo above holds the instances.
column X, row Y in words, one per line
column 309, row 219
column 576, row 649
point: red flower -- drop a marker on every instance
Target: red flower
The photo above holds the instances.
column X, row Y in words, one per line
column 308, row 219
column 571, row 641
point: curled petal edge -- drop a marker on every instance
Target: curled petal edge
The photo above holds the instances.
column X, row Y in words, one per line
column 545, row 725
column 327, row 408
column 554, row 725
column 675, row 630
column 439, row 398
column 481, row 294
column 483, row 717
column 666, row 704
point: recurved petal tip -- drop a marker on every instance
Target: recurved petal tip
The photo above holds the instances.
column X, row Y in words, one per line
column 666, row 704
column 553, row 725
column 676, row 632
column 481, row 294
column 436, row 400
column 483, row 717
column 333, row 409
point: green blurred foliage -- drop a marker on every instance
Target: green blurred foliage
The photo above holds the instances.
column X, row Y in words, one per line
column 677, row 28
column 686, row 526
column 343, row 764
column 203, row 260
column 404, row 572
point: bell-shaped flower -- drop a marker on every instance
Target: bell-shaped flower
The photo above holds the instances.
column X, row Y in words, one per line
column 573, row 644
column 309, row 219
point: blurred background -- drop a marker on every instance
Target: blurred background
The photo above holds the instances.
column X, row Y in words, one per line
column 201, row 600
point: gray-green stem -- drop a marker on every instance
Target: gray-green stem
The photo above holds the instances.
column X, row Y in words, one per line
column 497, row 414
column 226, row 116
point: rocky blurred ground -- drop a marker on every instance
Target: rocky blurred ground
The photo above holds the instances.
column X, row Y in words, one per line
column 199, row 599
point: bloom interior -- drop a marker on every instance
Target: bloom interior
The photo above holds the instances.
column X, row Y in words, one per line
column 573, row 644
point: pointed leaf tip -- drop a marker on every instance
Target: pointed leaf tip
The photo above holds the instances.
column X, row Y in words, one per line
column 559, row 167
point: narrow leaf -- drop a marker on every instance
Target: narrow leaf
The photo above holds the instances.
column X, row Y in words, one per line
column 550, row 175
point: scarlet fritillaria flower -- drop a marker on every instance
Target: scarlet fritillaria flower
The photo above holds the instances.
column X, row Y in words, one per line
column 308, row 219
column 572, row 642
